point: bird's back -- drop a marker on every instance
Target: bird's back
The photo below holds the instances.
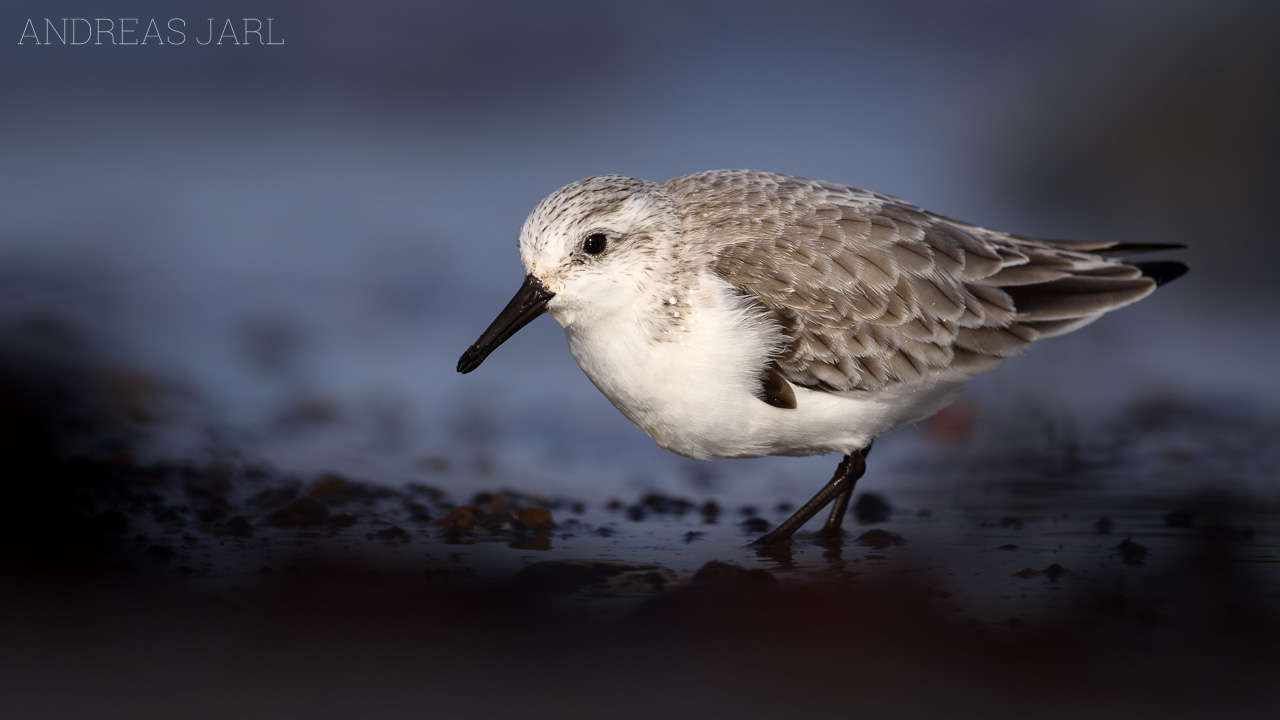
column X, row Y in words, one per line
column 874, row 293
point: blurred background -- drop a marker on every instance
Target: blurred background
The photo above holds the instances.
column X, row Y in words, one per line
column 238, row 278
column 279, row 252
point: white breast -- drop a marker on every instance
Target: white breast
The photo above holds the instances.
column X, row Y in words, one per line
column 693, row 387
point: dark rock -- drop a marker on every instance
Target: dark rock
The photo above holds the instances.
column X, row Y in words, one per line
column 342, row 520
column 656, row 580
column 418, row 512
column 535, row 518
column 879, row 539
column 392, row 535
column 460, row 521
column 871, row 508
column 1131, row 552
column 665, row 504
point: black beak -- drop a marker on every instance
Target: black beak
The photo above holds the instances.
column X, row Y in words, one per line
column 530, row 302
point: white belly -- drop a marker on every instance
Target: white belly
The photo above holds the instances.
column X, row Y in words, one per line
column 694, row 391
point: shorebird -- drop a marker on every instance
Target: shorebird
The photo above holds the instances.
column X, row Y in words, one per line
column 738, row 313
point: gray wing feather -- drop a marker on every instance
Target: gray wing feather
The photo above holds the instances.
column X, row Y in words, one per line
column 873, row 292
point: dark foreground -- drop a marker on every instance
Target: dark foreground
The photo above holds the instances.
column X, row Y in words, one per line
column 213, row 591
column 217, row 589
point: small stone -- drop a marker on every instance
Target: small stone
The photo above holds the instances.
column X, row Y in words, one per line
column 535, row 518
column 460, row 520
column 329, row 487
column 655, row 580
column 1131, row 552
column 879, row 539
column 500, row 504
column 392, row 535
column 665, row 504
column 417, row 512
column 871, row 508
column 1054, row 572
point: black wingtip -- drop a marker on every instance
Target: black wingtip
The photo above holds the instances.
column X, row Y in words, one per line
column 1120, row 249
column 1162, row 271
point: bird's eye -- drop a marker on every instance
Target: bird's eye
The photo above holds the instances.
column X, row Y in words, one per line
column 594, row 244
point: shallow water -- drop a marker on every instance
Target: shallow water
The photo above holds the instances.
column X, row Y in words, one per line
column 1099, row 570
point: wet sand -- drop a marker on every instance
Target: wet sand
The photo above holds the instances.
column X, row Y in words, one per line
column 211, row 589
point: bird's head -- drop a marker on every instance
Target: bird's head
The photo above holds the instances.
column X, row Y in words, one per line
column 590, row 250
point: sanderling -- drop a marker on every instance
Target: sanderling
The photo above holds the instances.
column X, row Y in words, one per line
column 738, row 313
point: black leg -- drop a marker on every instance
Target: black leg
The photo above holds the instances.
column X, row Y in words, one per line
column 838, row 508
column 841, row 504
column 848, row 472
